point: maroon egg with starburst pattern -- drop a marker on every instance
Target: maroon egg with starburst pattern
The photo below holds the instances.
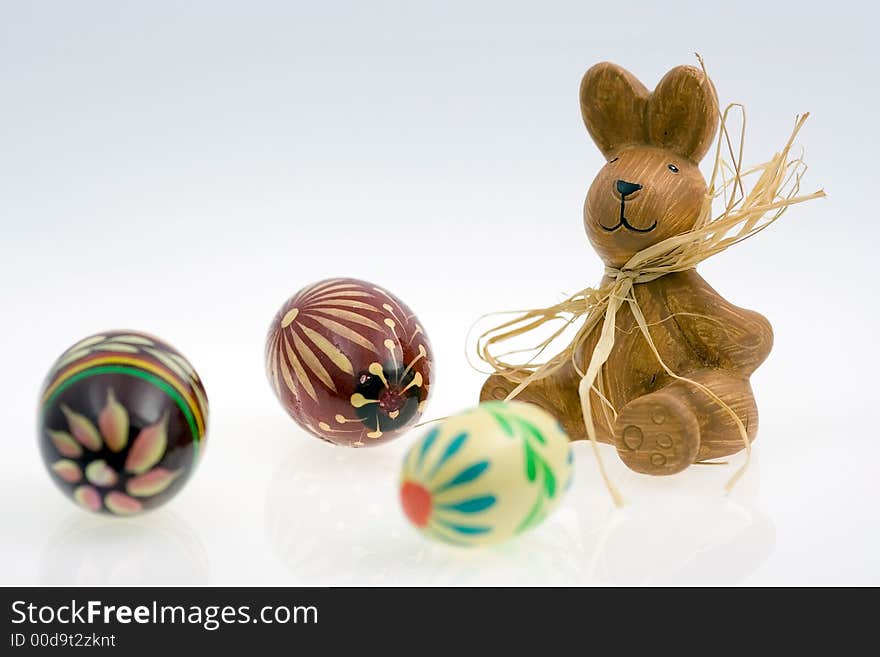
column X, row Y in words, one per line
column 349, row 361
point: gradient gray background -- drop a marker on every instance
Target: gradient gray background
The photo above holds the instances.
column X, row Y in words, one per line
column 183, row 167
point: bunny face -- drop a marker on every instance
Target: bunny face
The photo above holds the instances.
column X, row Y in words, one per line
column 640, row 197
column 651, row 188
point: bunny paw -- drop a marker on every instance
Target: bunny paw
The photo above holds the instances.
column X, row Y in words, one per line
column 657, row 434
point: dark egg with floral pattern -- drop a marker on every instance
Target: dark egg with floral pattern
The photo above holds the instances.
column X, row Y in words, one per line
column 122, row 422
column 349, row 361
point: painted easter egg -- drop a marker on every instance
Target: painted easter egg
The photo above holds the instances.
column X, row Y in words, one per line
column 349, row 362
column 122, row 422
column 487, row 474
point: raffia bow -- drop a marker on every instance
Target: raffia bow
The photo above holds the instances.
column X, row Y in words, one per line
column 745, row 214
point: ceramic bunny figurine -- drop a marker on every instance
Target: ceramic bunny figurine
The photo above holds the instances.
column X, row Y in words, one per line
column 651, row 189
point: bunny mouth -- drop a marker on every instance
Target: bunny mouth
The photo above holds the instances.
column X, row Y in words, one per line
column 625, row 224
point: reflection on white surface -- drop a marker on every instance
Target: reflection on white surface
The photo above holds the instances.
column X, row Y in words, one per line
column 334, row 519
column 157, row 548
column 698, row 542
column 685, row 530
column 331, row 514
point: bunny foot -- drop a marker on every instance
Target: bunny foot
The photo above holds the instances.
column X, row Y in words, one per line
column 658, row 433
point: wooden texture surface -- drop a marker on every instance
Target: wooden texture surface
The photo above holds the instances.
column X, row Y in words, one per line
column 651, row 189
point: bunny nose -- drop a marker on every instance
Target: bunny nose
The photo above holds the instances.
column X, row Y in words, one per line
column 625, row 188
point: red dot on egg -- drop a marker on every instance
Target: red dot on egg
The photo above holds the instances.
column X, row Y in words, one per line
column 416, row 501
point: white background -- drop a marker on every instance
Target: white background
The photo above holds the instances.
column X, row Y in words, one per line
column 182, row 168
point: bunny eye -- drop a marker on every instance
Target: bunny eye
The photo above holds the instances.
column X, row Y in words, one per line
column 613, row 159
column 672, row 168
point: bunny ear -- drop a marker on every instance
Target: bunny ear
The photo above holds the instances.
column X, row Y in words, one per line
column 683, row 113
column 613, row 106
